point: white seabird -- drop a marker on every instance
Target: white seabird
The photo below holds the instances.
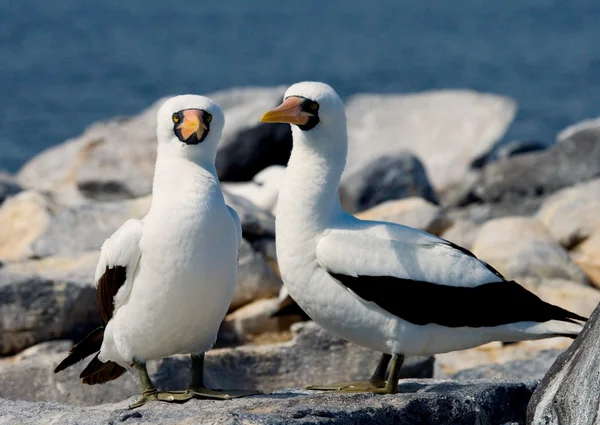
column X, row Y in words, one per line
column 262, row 190
column 164, row 283
column 392, row 288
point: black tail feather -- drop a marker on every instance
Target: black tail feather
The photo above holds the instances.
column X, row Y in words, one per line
column 88, row 346
column 97, row 372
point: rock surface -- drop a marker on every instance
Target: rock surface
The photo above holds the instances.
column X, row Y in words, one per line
column 518, row 185
column 572, row 214
column 385, row 179
column 569, row 393
column 587, row 256
column 424, row 402
column 312, row 356
column 426, row 123
column 502, row 151
column 521, row 246
column 413, row 212
column 8, row 186
column 462, row 233
column 522, row 370
column 24, row 218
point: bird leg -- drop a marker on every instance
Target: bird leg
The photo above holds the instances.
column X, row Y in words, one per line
column 197, row 388
column 377, row 381
column 149, row 391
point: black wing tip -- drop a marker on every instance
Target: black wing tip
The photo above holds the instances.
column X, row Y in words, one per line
column 98, row 372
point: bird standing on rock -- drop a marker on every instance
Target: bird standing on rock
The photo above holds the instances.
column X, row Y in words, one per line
column 164, row 283
column 392, row 288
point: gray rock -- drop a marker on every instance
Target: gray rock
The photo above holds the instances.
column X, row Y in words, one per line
column 427, row 124
column 312, row 356
column 521, row 246
column 8, row 186
column 387, row 178
column 462, row 233
column 502, row 151
column 85, row 227
column 115, row 159
column 569, row 393
column 518, row 185
column 522, row 370
column 35, row 309
column 423, row 402
column 571, row 214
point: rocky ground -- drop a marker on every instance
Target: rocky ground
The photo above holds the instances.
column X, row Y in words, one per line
column 428, row 160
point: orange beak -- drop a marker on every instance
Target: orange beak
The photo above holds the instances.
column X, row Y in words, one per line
column 290, row 111
column 193, row 122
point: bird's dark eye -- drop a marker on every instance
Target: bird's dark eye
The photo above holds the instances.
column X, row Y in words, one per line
column 176, row 118
column 313, row 106
column 208, row 118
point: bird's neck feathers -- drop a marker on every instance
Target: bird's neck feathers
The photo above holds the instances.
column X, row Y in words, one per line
column 178, row 171
column 313, row 175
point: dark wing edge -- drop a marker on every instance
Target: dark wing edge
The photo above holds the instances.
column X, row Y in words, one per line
column 108, row 286
column 486, row 305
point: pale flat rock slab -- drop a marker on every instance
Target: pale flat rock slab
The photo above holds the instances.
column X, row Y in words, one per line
column 572, row 214
column 433, row 402
column 587, row 256
column 413, row 212
column 446, row 129
column 24, row 218
column 462, row 233
column 521, row 246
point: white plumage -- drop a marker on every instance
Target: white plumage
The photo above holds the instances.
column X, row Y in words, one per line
column 326, row 255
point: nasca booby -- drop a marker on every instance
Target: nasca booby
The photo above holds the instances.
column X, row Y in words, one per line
column 392, row 288
column 164, row 283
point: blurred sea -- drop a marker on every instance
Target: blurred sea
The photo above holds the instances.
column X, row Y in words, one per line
column 67, row 63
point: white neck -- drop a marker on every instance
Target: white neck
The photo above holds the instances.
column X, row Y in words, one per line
column 309, row 199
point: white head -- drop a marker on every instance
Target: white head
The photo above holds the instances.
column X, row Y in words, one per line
column 315, row 111
column 190, row 126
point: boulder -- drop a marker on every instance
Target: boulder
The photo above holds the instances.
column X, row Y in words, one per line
column 385, row 179
column 413, row 212
column 36, row 308
column 426, row 124
column 503, row 150
column 85, row 227
column 24, row 218
column 587, row 256
column 569, row 393
column 8, row 186
column 518, row 185
column 572, row 214
column 115, row 159
column 262, row 190
column 462, row 233
column 521, row 370
column 521, row 246
column 312, row 356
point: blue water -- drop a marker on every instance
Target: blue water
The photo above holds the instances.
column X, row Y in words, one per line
column 67, row 63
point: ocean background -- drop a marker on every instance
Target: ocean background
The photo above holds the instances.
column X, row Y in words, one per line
column 67, row 63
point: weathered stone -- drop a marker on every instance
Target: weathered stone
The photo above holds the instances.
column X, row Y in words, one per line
column 24, row 218
column 427, row 124
column 572, row 214
column 426, row 402
column 462, row 233
column 385, row 179
column 36, row 308
column 262, row 191
column 312, row 356
column 501, row 151
column 587, row 256
column 8, row 186
column 521, row 246
column 256, row 279
column 518, row 185
column 569, row 393
column 43, row 349
column 522, row 370
column 413, row 212
column 115, row 159
column 85, row 227
column 257, row 322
